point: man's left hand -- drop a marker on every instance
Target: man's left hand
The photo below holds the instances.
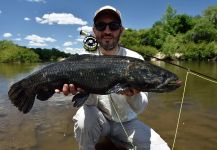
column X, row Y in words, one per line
column 130, row 92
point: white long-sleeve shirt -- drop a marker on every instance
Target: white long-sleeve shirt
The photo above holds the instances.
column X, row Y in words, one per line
column 127, row 107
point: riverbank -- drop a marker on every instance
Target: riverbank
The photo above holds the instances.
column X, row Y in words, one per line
column 175, row 57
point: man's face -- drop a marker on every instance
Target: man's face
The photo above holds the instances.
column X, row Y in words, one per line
column 108, row 39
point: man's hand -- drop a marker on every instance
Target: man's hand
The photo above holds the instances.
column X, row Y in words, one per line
column 130, row 92
column 69, row 88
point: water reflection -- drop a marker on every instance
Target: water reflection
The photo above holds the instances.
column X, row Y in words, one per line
column 9, row 71
column 49, row 125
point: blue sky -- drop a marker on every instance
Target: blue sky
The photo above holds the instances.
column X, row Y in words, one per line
column 56, row 23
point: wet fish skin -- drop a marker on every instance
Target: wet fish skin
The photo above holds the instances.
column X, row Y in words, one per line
column 94, row 74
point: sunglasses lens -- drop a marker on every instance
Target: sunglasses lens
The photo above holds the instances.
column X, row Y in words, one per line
column 114, row 26
column 101, row 26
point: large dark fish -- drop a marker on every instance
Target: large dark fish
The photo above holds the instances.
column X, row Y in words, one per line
column 94, row 74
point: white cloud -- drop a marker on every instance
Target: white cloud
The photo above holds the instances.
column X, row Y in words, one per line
column 73, row 50
column 32, row 43
column 85, row 28
column 17, row 39
column 35, row 40
column 60, row 18
column 79, row 39
column 37, row 1
column 7, row 35
column 69, row 43
column 27, row 19
column 0, row 12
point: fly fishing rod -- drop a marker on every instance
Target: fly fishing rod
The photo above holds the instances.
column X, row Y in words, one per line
column 90, row 44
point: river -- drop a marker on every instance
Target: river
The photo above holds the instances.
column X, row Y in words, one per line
column 49, row 124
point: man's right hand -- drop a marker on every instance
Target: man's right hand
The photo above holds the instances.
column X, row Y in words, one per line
column 68, row 89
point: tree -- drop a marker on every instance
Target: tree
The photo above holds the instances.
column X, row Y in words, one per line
column 11, row 52
column 167, row 18
column 181, row 24
column 5, row 43
column 172, row 44
column 202, row 31
column 211, row 14
column 169, row 14
column 155, row 37
column 129, row 38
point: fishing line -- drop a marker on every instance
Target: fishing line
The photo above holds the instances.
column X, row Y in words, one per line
column 185, row 68
column 130, row 140
column 203, row 77
column 183, row 95
column 180, row 110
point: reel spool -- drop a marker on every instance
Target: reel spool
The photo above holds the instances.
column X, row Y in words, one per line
column 89, row 43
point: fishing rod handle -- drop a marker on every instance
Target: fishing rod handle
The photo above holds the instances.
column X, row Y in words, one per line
column 84, row 33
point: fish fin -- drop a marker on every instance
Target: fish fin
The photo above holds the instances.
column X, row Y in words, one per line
column 21, row 97
column 45, row 94
column 118, row 88
column 79, row 99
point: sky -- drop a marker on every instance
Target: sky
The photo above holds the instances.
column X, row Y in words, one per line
column 57, row 23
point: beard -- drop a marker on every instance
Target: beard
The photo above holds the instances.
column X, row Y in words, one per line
column 110, row 44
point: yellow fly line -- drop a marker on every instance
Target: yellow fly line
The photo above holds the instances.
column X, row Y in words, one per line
column 182, row 101
column 180, row 110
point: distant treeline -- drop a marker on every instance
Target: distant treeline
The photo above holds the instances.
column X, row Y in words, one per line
column 10, row 52
column 177, row 36
column 50, row 54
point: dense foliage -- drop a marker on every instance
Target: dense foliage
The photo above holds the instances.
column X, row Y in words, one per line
column 10, row 52
column 50, row 54
column 14, row 53
column 177, row 35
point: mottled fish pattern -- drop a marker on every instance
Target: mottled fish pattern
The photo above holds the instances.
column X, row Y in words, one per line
column 94, row 74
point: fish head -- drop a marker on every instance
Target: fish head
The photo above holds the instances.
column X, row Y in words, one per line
column 150, row 78
column 168, row 85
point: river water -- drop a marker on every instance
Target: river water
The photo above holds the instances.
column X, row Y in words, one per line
column 49, row 124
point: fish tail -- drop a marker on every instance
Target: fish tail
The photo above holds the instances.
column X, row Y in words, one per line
column 21, row 97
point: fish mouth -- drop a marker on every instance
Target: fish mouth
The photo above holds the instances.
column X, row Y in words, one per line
column 176, row 83
column 169, row 85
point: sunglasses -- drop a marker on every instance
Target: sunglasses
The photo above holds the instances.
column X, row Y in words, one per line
column 113, row 26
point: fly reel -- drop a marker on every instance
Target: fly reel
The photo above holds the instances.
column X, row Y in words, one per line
column 89, row 42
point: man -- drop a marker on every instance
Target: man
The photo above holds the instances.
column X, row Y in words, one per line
column 114, row 115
